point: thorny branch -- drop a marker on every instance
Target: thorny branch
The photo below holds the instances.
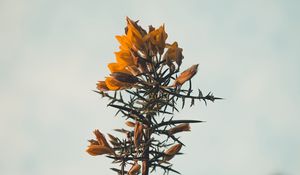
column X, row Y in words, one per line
column 147, row 89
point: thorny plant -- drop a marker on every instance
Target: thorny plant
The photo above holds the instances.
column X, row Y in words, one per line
column 149, row 76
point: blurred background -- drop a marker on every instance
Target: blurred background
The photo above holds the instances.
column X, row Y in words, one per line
column 52, row 53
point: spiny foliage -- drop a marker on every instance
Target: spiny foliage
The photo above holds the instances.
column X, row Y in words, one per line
column 145, row 88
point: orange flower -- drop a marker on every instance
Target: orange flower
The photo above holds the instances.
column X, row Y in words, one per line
column 134, row 35
column 157, row 38
column 101, row 86
column 186, row 75
column 117, row 67
column 170, row 153
column 135, row 26
column 114, row 84
column 124, row 57
column 180, row 128
column 174, row 53
column 125, row 42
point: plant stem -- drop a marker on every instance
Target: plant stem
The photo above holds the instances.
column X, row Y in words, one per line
column 146, row 163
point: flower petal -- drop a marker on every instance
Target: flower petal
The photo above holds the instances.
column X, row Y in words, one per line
column 96, row 150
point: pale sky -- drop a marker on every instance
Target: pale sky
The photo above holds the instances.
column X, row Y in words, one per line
column 52, row 53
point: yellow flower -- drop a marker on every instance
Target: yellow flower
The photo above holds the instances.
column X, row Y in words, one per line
column 186, row 75
column 170, row 153
column 180, row 128
column 174, row 53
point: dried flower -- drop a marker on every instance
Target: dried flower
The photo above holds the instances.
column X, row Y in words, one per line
column 100, row 138
column 96, row 150
column 93, row 142
column 138, row 133
column 174, row 53
column 179, row 128
column 157, row 38
column 134, row 169
column 186, row 75
column 170, row 153
column 130, row 124
column 101, row 86
column 100, row 146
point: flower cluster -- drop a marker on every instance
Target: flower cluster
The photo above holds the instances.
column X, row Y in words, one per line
column 147, row 70
column 138, row 50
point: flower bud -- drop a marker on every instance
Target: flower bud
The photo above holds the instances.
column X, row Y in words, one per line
column 95, row 150
column 130, row 124
column 179, row 128
column 138, row 133
column 186, row 75
column 170, row 153
column 134, row 169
